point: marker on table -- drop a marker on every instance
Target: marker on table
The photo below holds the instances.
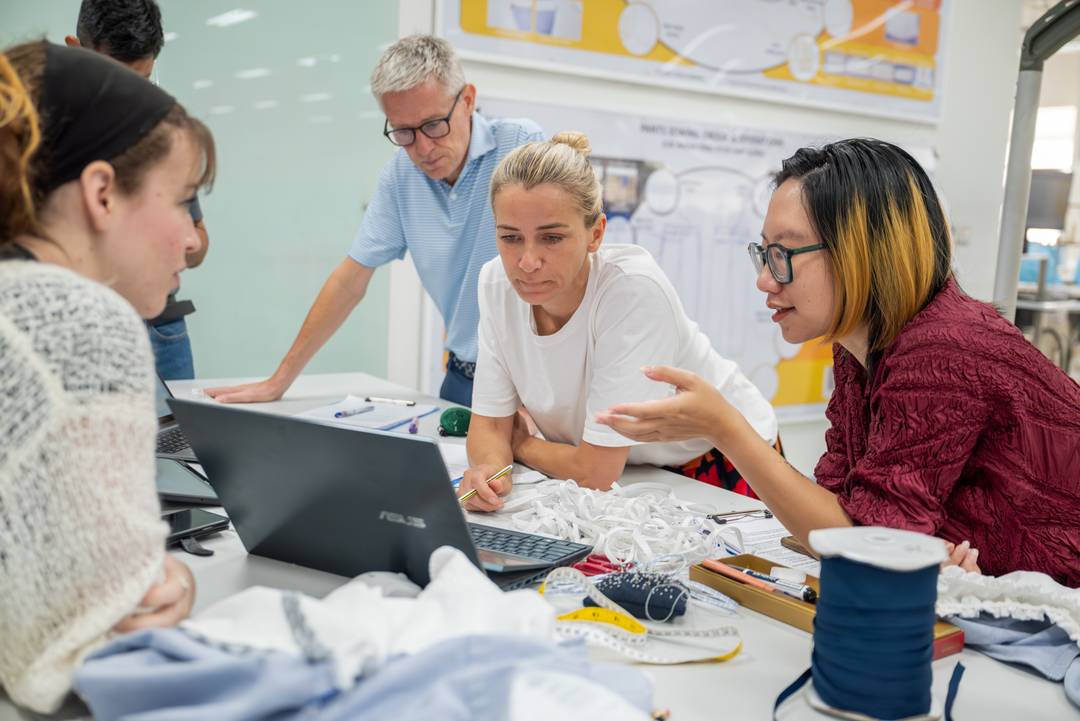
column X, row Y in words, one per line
column 353, row 412
column 738, row 574
column 414, row 425
column 795, row 590
column 394, row 401
column 496, row 477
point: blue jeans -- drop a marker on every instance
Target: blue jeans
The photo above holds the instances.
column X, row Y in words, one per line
column 456, row 388
column 172, row 350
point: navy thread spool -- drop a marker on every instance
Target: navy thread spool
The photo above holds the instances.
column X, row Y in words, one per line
column 874, row 625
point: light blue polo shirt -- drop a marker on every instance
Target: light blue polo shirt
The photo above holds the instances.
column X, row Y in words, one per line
column 448, row 229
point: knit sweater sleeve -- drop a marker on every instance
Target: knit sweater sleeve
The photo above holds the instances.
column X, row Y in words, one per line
column 926, row 418
column 81, row 538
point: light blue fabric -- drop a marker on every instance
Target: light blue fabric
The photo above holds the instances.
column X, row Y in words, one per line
column 1040, row 645
column 448, row 230
column 470, row 678
column 166, row 675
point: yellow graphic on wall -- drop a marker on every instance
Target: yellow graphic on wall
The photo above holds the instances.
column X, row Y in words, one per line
column 818, row 52
column 806, row 378
column 534, row 22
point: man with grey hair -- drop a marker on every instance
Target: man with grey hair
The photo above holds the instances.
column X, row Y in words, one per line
column 431, row 200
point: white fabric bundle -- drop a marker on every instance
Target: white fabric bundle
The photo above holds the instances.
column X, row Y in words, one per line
column 627, row 524
column 360, row 628
column 81, row 539
column 1023, row 595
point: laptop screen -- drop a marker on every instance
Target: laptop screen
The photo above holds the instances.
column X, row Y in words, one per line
column 161, row 392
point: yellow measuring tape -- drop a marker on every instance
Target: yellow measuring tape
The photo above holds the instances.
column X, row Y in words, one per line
column 603, row 615
column 627, row 635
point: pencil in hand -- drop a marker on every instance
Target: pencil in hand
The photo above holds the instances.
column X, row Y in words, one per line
column 496, row 477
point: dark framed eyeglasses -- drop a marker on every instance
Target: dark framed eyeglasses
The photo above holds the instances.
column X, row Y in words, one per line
column 438, row 128
column 778, row 258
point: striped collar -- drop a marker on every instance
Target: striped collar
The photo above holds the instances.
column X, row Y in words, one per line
column 482, row 140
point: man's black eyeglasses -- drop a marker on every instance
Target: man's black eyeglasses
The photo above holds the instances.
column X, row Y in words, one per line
column 438, row 128
column 778, row 258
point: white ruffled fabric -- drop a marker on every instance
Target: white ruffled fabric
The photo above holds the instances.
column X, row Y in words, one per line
column 1023, row 595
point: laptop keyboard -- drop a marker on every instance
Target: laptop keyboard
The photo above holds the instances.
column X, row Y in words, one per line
column 171, row 440
column 527, row 545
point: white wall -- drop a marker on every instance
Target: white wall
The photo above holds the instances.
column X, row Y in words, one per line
column 1061, row 80
column 1061, row 87
column 406, row 351
column 292, row 176
column 982, row 55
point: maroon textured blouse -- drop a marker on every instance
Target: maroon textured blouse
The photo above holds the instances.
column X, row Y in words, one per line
column 965, row 431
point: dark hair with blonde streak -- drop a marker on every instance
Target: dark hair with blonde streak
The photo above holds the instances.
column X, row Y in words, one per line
column 19, row 138
column 888, row 242
column 131, row 166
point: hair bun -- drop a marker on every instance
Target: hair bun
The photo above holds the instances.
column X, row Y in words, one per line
column 577, row 141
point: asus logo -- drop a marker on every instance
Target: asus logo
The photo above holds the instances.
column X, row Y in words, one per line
column 392, row 517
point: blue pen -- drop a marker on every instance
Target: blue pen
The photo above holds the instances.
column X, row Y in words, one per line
column 353, row 412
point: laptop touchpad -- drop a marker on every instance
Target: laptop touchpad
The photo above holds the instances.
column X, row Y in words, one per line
column 502, row 562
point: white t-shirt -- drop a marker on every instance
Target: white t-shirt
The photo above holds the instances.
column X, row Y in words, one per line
column 630, row 317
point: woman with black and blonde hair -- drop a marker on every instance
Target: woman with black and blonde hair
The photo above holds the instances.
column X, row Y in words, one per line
column 945, row 420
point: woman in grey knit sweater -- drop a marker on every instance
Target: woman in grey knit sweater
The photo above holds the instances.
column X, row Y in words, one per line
column 81, row 540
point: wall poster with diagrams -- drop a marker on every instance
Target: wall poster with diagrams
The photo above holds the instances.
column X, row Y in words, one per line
column 880, row 57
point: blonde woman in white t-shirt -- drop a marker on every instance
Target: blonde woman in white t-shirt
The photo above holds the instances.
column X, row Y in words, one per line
column 565, row 328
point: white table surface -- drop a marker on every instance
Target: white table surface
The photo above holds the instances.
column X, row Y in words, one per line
column 773, row 654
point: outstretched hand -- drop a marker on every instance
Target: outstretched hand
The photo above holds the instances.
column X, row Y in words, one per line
column 261, row 392
column 696, row 410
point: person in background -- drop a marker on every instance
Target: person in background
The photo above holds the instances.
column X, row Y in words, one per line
column 945, row 420
column 431, row 201
column 117, row 164
column 565, row 327
column 130, row 32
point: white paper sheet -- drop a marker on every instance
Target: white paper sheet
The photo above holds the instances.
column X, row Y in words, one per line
column 383, row 416
column 761, row 537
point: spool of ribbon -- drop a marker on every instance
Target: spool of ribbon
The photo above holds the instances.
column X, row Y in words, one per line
column 874, row 625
